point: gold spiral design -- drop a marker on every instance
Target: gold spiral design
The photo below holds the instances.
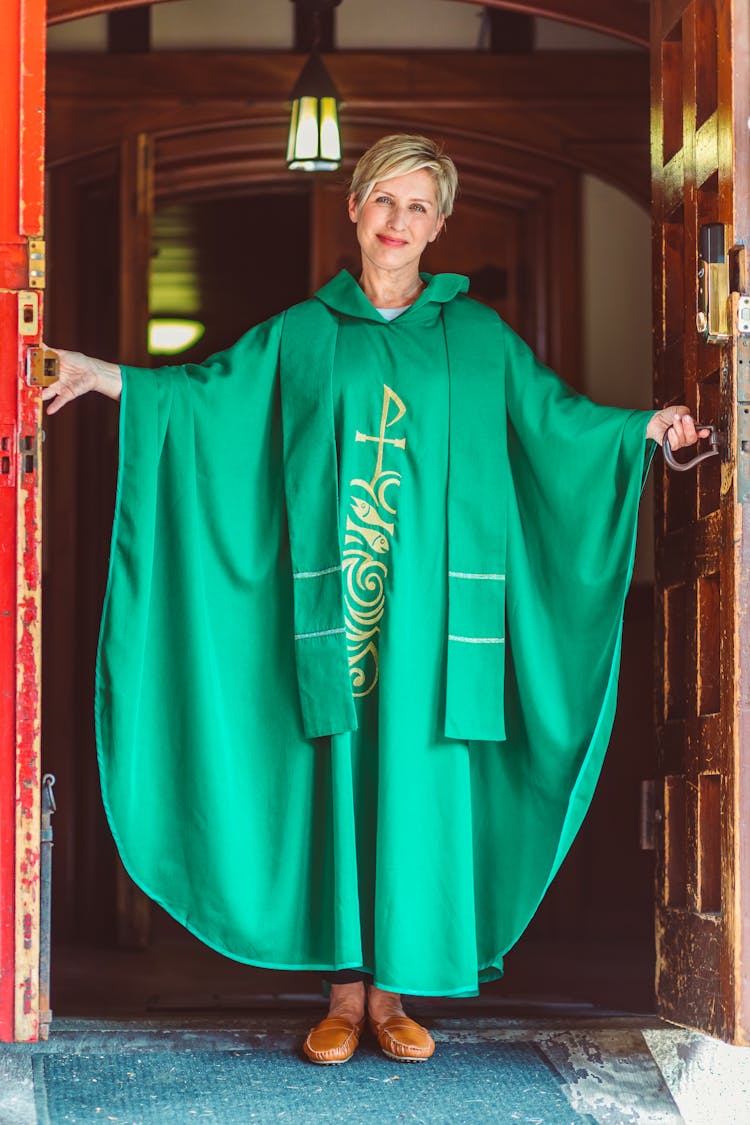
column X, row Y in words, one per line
column 366, row 547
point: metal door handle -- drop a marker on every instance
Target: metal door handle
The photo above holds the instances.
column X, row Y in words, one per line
column 682, row 466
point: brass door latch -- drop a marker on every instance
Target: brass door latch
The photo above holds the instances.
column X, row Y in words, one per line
column 42, row 367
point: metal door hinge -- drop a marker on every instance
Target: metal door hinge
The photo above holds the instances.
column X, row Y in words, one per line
column 37, row 256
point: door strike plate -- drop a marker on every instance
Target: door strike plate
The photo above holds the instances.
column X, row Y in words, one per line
column 28, row 313
column 743, row 316
column 37, row 263
column 42, row 367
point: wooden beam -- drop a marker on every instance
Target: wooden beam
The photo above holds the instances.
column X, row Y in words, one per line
column 129, row 31
column 508, row 32
column 625, row 19
column 456, row 78
column 59, row 11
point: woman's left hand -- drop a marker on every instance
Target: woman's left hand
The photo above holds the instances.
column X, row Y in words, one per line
column 678, row 421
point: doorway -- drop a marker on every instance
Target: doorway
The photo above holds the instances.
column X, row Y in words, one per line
column 215, row 258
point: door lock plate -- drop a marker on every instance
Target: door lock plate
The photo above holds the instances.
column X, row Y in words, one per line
column 743, row 316
column 28, row 313
column 42, row 367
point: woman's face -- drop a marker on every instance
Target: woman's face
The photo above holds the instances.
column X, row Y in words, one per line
column 397, row 220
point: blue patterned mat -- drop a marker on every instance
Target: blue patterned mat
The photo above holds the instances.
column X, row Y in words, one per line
column 492, row 1082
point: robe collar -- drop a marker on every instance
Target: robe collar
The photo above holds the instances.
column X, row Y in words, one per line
column 343, row 295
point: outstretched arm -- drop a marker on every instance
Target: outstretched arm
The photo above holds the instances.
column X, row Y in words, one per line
column 80, row 374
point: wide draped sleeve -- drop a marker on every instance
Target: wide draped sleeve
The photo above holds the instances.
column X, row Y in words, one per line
column 202, row 757
column 576, row 472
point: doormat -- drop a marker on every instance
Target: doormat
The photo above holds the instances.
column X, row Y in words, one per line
column 494, row 1082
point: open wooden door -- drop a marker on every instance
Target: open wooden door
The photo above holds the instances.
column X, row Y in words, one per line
column 99, row 213
column 22, row 42
column 701, row 179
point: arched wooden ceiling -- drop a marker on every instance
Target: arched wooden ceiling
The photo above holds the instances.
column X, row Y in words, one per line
column 625, row 19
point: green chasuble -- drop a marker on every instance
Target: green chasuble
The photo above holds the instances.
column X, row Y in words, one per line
column 360, row 645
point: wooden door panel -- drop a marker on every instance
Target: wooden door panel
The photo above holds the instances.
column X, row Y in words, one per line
column 696, row 157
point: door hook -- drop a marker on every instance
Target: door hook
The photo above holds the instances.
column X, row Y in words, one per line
column 714, row 438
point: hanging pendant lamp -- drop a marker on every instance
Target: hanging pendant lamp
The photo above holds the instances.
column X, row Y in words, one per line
column 314, row 140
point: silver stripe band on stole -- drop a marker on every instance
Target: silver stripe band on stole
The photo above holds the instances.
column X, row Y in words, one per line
column 316, row 573
column 477, row 577
column 477, row 640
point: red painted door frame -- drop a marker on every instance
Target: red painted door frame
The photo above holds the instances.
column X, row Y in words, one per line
column 22, row 76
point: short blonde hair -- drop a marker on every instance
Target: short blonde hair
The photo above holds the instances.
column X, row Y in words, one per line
column 399, row 154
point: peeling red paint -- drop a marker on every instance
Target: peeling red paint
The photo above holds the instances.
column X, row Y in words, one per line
column 22, row 27
column 31, row 568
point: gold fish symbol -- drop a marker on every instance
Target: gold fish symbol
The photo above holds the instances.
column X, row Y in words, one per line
column 367, row 513
column 375, row 539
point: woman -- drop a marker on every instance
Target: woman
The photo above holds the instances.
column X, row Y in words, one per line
column 324, row 538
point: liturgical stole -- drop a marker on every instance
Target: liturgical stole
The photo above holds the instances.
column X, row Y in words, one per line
column 478, row 478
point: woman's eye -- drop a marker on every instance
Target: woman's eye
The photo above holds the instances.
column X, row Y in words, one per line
column 417, row 206
column 383, row 199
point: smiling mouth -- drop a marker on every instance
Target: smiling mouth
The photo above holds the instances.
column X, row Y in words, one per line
column 391, row 241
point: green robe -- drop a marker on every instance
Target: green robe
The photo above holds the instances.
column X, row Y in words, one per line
column 395, row 844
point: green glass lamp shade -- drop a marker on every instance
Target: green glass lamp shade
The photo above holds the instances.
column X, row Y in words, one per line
column 314, row 140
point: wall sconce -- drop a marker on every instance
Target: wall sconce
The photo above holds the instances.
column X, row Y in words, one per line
column 314, row 139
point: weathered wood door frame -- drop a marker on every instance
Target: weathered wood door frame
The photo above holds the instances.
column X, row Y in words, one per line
column 22, row 63
column 21, row 114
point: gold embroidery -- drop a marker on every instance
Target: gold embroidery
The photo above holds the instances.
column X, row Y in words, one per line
column 366, row 547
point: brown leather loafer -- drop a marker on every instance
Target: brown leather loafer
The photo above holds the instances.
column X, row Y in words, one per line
column 333, row 1040
column 403, row 1039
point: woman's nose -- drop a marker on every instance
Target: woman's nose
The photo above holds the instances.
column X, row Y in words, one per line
column 397, row 218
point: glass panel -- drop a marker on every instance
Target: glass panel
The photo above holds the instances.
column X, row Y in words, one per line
column 306, row 147
column 330, row 143
column 292, row 132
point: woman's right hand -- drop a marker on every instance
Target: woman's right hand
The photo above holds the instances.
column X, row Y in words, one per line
column 80, row 374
